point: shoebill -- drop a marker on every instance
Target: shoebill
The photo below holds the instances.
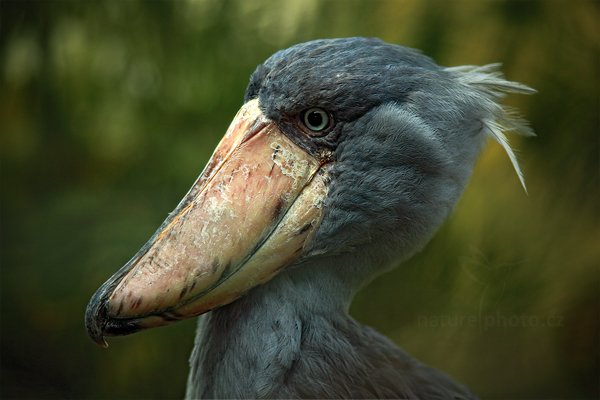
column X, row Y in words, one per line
column 344, row 159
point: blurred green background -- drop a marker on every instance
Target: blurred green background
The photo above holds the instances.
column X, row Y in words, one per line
column 109, row 110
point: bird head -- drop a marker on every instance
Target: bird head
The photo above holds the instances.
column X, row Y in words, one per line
column 343, row 147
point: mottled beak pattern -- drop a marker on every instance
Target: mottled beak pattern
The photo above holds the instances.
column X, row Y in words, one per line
column 249, row 214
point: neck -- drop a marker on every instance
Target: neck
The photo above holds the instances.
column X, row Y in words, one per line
column 248, row 348
column 293, row 338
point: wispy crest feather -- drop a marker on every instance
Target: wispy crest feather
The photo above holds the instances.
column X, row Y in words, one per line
column 491, row 87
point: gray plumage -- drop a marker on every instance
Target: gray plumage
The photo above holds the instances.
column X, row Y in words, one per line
column 406, row 137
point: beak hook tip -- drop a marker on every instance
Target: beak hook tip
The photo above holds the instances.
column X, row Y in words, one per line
column 96, row 318
column 101, row 342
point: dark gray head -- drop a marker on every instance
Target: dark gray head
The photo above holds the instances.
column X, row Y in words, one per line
column 345, row 147
column 404, row 136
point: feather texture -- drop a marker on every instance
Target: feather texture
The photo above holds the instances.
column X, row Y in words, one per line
column 490, row 86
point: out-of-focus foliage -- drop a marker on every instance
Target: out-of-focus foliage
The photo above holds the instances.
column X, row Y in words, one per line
column 108, row 111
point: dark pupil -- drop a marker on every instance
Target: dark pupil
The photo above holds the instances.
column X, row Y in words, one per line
column 315, row 119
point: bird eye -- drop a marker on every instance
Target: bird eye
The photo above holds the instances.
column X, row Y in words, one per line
column 316, row 119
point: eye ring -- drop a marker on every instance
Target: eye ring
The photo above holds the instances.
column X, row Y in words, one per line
column 316, row 119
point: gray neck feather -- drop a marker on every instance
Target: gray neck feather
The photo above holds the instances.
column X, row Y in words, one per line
column 293, row 338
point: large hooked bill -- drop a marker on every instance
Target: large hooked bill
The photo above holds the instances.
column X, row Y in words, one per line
column 250, row 213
